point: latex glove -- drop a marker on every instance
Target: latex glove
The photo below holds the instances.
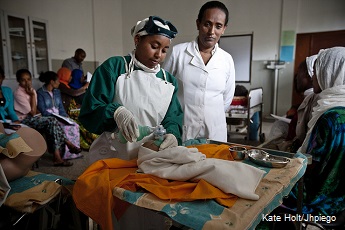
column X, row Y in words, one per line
column 196, row 141
column 170, row 141
column 126, row 123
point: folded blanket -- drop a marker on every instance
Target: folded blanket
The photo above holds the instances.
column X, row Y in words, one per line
column 34, row 190
column 183, row 164
column 11, row 145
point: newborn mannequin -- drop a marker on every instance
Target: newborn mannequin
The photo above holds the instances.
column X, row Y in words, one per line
column 189, row 164
column 150, row 145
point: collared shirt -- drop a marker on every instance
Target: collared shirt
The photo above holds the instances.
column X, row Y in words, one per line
column 72, row 64
column 205, row 91
column 197, row 47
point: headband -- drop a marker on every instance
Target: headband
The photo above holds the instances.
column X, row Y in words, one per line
column 154, row 26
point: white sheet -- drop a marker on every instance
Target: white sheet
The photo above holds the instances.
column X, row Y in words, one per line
column 181, row 163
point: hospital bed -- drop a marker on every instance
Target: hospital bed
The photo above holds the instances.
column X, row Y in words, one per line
column 199, row 214
column 241, row 114
column 39, row 200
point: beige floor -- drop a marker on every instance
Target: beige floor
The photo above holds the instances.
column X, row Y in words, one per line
column 45, row 165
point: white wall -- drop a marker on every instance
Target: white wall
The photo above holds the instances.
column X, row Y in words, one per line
column 265, row 19
column 94, row 25
column 306, row 16
column 246, row 16
column 318, row 15
column 102, row 28
column 107, row 29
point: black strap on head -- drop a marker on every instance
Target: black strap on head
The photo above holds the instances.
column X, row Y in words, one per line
column 152, row 28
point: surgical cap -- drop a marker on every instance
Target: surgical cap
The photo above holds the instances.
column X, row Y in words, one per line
column 152, row 26
column 310, row 64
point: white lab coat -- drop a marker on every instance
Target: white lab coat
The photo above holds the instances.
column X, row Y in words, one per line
column 205, row 92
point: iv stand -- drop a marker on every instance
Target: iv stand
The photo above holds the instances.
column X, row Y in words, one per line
column 276, row 65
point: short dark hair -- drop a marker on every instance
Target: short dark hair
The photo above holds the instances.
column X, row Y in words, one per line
column 46, row 77
column 79, row 50
column 20, row 72
column 211, row 5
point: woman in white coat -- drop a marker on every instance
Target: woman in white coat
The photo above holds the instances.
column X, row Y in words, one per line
column 206, row 76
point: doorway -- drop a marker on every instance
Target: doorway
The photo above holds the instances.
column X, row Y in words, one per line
column 308, row 44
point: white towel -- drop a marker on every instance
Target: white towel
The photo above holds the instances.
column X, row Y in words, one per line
column 181, row 163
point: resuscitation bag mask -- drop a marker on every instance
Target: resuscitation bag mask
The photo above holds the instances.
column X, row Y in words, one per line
column 152, row 28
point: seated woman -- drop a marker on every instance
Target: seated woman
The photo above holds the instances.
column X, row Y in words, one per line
column 69, row 93
column 325, row 177
column 50, row 103
column 72, row 92
column 78, row 79
column 6, row 102
column 25, row 105
column 18, row 166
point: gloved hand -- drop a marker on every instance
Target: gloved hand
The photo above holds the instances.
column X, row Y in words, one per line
column 196, row 141
column 126, row 123
column 170, row 141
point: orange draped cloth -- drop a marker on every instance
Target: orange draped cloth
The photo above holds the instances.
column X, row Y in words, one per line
column 92, row 191
column 215, row 151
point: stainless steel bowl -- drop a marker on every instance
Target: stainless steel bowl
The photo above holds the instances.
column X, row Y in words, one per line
column 263, row 158
column 238, row 152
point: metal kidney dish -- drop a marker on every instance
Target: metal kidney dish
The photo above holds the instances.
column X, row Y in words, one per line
column 263, row 158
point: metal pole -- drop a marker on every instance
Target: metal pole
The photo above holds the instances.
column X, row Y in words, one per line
column 275, row 95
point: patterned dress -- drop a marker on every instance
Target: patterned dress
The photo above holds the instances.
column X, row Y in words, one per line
column 51, row 102
column 324, row 192
column 47, row 125
column 86, row 137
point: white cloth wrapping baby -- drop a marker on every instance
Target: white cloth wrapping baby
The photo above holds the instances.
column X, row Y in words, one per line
column 182, row 164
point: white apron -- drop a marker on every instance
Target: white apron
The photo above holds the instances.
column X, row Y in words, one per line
column 148, row 98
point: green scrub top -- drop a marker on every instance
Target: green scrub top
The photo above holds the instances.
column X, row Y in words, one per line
column 97, row 110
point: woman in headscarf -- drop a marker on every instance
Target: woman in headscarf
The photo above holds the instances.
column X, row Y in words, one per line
column 69, row 93
column 133, row 90
column 127, row 92
column 325, row 140
column 78, row 79
column 72, row 93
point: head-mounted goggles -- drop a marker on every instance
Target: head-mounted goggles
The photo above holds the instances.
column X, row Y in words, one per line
column 152, row 28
